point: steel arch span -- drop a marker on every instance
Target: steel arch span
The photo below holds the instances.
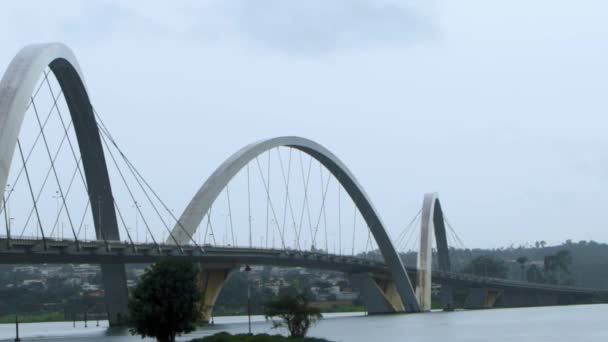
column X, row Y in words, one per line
column 210, row 190
column 16, row 88
column 432, row 221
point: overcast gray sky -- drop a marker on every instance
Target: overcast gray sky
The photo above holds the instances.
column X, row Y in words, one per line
column 500, row 106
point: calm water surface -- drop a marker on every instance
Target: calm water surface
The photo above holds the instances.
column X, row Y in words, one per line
column 542, row 324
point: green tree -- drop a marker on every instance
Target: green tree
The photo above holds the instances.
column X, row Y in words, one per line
column 564, row 260
column 522, row 260
column 166, row 301
column 534, row 274
column 487, row 266
column 555, row 265
column 550, row 267
column 295, row 313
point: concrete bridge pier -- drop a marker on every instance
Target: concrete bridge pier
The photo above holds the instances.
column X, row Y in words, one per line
column 378, row 295
column 210, row 283
column 447, row 298
column 116, row 294
column 482, row 298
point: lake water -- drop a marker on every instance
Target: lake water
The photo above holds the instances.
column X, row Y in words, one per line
column 540, row 324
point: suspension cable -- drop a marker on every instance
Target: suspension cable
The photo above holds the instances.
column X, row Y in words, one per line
column 354, row 228
column 339, row 219
column 46, row 178
column 406, row 240
column 367, row 243
column 323, row 204
column 249, row 206
column 29, row 183
column 403, row 245
column 122, row 220
column 124, row 180
column 321, row 210
column 451, row 243
column 287, row 201
column 45, row 73
column 445, row 219
column 31, row 150
column 404, row 232
column 230, row 214
column 48, row 151
column 84, row 215
column 267, row 200
column 305, row 182
column 416, row 241
column 6, row 218
column 67, row 193
column 139, row 178
column 65, row 129
column 135, row 172
column 284, row 221
column 209, row 226
column 270, row 203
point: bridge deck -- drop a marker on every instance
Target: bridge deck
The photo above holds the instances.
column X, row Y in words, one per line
column 32, row 251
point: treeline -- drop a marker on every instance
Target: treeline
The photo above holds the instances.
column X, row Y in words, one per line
column 583, row 263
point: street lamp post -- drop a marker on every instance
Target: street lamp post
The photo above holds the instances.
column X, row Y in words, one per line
column 225, row 237
column 247, row 270
column 17, row 339
column 56, row 197
column 137, row 206
column 7, row 212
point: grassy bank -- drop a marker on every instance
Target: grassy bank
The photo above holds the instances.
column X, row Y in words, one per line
column 226, row 337
column 33, row 317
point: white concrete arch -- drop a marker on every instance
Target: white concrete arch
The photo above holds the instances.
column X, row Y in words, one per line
column 432, row 223
column 207, row 194
column 16, row 89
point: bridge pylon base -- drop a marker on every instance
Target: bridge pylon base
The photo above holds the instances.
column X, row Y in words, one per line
column 447, row 298
column 378, row 295
column 210, row 283
column 483, row 298
column 116, row 293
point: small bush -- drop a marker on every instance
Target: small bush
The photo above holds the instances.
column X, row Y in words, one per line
column 226, row 337
column 295, row 313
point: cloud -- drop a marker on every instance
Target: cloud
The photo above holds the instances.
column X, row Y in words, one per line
column 295, row 27
column 317, row 26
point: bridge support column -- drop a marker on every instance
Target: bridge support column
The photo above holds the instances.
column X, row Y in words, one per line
column 483, row 298
column 116, row 293
column 210, row 283
column 447, row 298
column 378, row 295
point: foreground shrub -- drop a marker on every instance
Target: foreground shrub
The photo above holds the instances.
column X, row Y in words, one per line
column 295, row 313
column 226, row 337
column 165, row 303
